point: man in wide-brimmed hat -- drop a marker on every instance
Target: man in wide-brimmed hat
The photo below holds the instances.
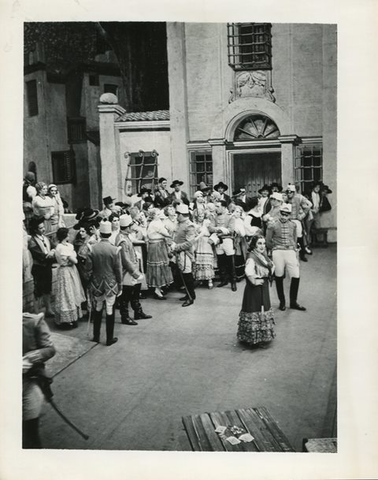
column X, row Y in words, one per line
column 144, row 196
column 281, row 238
column 206, row 190
column 264, row 204
column 178, row 196
column 108, row 207
column 221, row 188
column 239, row 197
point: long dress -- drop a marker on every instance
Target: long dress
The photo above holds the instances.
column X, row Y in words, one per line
column 256, row 324
column 158, row 270
column 69, row 291
column 203, row 268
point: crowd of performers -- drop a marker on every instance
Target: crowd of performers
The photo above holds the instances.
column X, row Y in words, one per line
column 152, row 242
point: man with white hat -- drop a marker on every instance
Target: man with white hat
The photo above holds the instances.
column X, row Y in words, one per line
column 132, row 277
column 276, row 200
column 300, row 208
column 224, row 227
column 281, row 238
column 182, row 247
column 105, row 271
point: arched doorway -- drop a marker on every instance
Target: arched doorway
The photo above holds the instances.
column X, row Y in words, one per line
column 255, row 153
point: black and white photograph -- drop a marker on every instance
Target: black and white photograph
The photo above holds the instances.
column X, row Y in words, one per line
column 181, row 242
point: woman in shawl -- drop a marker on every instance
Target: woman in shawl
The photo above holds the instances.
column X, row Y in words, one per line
column 256, row 318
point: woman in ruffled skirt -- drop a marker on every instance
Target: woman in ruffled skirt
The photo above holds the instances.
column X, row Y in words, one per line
column 69, row 291
column 203, row 268
column 256, row 318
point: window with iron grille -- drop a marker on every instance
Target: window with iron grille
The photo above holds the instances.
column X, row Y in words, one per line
column 142, row 171
column 250, row 46
column 201, row 170
column 308, row 165
column 110, row 88
column 63, row 166
column 32, row 97
column 76, row 130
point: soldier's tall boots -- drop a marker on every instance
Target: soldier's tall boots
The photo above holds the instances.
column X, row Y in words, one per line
column 232, row 272
column 280, row 293
column 135, row 304
column 222, row 265
column 189, row 282
column 294, row 286
column 97, row 318
column 110, row 339
column 126, row 297
column 302, row 251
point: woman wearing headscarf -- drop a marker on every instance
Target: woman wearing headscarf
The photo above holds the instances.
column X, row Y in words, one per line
column 56, row 220
column 43, row 205
column 159, row 273
column 69, row 291
column 256, row 318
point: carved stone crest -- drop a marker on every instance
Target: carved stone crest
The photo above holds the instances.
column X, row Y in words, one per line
column 256, row 84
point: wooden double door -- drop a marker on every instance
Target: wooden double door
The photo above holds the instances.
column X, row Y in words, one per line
column 254, row 170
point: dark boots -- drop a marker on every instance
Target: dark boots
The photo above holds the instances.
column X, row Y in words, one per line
column 280, row 293
column 126, row 297
column 110, row 339
column 189, row 282
column 232, row 272
column 136, row 306
column 302, row 251
column 294, row 286
column 222, row 266
column 97, row 318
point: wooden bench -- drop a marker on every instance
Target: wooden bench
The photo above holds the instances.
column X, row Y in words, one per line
column 257, row 421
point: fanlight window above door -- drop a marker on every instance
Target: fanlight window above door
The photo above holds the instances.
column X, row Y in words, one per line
column 256, row 127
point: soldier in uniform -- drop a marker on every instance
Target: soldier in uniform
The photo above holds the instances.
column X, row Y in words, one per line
column 132, row 276
column 281, row 238
column 300, row 207
column 105, row 271
column 183, row 248
column 224, row 226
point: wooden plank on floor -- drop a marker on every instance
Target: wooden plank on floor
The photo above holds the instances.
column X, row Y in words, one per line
column 204, row 441
column 212, row 435
column 274, row 429
column 256, row 427
column 191, row 433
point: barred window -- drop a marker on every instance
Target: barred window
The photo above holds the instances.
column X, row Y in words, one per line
column 250, row 46
column 32, row 97
column 76, row 127
column 308, row 165
column 201, row 170
column 63, row 166
column 142, row 171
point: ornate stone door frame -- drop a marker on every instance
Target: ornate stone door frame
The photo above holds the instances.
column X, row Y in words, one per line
column 223, row 135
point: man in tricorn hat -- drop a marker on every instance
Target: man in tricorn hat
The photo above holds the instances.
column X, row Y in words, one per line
column 178, row 196
column 104, row 268
column 221, row 188
column 281, row 238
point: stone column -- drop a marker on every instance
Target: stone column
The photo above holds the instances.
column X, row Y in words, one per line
column 111, row 177
column 220, row 170
column 178, row 101
column 288, row 143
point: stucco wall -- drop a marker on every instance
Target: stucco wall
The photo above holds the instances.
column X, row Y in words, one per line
column 35, row 137
column 147, row 141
